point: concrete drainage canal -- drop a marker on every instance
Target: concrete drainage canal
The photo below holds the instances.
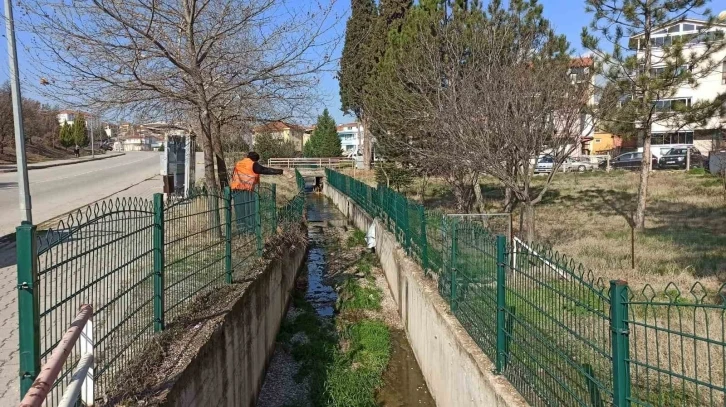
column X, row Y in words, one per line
column 341, row 343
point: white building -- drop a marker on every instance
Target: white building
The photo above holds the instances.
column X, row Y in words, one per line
column 705, row 138
column 351, row 137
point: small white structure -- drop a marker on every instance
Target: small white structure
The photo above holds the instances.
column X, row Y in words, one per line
column 178, row 160
column 137, row 144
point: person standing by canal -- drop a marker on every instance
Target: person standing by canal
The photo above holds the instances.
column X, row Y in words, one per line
column 244, row 182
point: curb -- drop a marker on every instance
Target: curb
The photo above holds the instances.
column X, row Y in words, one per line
column 10, row 237
column 41, row 166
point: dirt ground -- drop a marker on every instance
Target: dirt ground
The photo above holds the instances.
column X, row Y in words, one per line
column 36, row 153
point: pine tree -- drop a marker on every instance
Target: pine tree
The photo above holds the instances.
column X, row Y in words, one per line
column 80, row 132
column 634, row 85
column 365, row 44
column 324, row 142
column 268, row 147
column 356, row 63
column 66, row 135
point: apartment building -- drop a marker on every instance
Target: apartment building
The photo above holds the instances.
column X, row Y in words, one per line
column 351, row 137
column 282, row 130
column 704, row 137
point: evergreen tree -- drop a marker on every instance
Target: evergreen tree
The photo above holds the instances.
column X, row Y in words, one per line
column 635, row 88
column 268, row 147
column 356, row 62
column 324, row 142
column 66, row 135
column 79, row 131
column 365, row 44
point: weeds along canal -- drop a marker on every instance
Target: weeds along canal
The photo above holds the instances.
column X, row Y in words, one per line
column 341, row 342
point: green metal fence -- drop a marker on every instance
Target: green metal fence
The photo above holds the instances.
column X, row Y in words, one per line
column 138, row 262
column 559, row 334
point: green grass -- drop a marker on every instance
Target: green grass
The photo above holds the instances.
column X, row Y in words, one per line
column 343, row 361
column 357, row 373
column 355, row 297
column 366, row 263
column 358, row 238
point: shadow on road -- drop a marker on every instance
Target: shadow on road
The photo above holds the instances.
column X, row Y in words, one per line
column 8, row 256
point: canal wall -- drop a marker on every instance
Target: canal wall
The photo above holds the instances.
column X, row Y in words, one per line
column 457, row 372
column 229, row 368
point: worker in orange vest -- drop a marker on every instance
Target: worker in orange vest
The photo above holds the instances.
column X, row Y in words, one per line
column 244, row 181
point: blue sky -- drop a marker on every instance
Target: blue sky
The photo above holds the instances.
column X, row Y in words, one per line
column 567, row 16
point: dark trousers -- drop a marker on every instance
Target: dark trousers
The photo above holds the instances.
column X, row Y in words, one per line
column 243, row 209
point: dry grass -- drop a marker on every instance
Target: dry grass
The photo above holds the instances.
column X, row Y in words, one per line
column 286, row 187
column 585, row 217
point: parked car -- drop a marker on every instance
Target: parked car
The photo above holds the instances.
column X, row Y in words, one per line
column 676, row 158
column 580, row 164
column 660, row 150
column 629, row 161
column 544, row 165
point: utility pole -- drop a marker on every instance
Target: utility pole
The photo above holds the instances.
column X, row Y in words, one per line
column 23, row 185
column 93, row 153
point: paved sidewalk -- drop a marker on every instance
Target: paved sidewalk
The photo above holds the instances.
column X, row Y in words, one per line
column 58, row 163
column 9, row 367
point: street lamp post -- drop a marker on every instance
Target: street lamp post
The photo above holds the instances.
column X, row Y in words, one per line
column 23, row 185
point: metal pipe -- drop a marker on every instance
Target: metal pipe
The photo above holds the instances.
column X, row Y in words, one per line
column 49, row 373
column 71, row 393
column 23, row 185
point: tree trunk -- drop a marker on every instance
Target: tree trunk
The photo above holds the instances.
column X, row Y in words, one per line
column 508, row 200
column 463, row 191
column 639, row 215
column 222, row 175
column 422, row 191
column 529, row 221
column 209, row 175
column 479, row 205
column 366, row 144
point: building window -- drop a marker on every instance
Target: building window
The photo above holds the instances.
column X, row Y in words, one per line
column 670, row 105
column 660, row 70
column 723, row 72
column 597, row 140
column 681, row 137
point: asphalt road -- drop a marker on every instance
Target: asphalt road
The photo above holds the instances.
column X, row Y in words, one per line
column 58, row 190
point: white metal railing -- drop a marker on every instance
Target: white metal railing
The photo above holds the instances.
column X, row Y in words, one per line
column 518, row 246
column 81, row 384
column 330, row 162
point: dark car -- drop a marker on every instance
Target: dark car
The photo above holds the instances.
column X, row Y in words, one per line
column 628, row 161
column 676, row 158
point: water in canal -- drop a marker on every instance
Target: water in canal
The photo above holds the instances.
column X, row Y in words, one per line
column 404, row 383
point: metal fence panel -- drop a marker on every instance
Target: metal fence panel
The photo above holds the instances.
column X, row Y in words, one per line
column 137, row 262
column 562, row 336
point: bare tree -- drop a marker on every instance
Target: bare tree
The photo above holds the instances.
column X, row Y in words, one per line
column 200, row 60
column 6, row 117
column 484, row 92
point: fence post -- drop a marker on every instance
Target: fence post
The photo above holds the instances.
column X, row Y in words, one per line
column 158, row 237
column 620, row 342
column 258, row 223
column 424, row 240
column 228, row 234
column 501, row 361
column 405, row 225
column 273, row 209
column 28, row 305
column 454, row 278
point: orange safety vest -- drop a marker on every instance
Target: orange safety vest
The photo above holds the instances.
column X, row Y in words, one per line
column 243, row 177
